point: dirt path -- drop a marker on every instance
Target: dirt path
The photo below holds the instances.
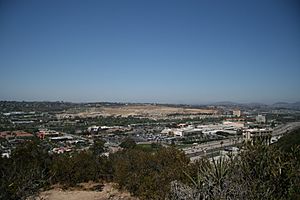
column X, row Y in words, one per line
column 108, row 191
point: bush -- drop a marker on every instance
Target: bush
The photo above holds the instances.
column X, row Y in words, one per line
column 149, row 175
column 25, row 172
column 259, row 172
column 80, row 167
column 30, row 168
column 289, row 141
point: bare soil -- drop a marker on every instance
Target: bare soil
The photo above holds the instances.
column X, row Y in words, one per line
column 86, row 191
column 136, row 110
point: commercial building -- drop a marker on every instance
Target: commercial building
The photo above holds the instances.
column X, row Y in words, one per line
column 237, row 113
column 261, row 119
column 182, row 132
column 43, row 133
column 211, row 129
column 258, row 135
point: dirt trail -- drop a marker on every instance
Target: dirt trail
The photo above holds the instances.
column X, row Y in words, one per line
column 108, row 191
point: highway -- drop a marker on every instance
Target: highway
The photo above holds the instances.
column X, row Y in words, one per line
column 212, row 145
column 282, row 129
column 210, row 148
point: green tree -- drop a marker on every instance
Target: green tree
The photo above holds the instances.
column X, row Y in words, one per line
column 128, row 143
column 98, row 147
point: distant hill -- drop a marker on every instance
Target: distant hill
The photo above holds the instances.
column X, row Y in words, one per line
column 235, row 104
column 256, row 104
column 295, row 105
column 226, row 103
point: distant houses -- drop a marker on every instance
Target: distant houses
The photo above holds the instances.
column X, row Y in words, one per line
column 16, row 135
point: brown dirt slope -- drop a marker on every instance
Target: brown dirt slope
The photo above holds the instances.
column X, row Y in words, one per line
column 136, row 110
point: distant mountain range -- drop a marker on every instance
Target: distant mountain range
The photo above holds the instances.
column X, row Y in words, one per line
column 295, row 105
column 229, row 103
column 285, row 105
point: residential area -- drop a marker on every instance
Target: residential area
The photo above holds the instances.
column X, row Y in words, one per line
column 70, row 127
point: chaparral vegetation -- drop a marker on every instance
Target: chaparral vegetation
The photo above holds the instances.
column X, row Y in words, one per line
column 257, row 172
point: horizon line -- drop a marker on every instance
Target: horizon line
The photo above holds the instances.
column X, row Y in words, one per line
column 162, row 103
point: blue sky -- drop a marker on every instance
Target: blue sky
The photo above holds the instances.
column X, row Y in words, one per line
column 150, row 51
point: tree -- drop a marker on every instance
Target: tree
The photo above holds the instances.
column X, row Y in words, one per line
column 128, row 143
column 98, row 147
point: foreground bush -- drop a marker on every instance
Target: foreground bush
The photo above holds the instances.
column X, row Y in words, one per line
column 31, row 168
column 259, row 172
column 149, row 175
column 25, row 172
column 80, row 167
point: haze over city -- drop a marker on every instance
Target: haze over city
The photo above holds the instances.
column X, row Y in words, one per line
column 150, row 51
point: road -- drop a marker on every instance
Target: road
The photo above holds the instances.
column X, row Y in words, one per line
column 210, row 148
column 282, row 129
column 212, row 145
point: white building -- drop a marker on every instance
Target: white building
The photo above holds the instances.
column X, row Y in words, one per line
column 211, row 129
column 93, row 128
column 237, row 113
column 253, row 135
column 260, row 119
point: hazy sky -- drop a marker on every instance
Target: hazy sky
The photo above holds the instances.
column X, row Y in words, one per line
column 150, row 51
